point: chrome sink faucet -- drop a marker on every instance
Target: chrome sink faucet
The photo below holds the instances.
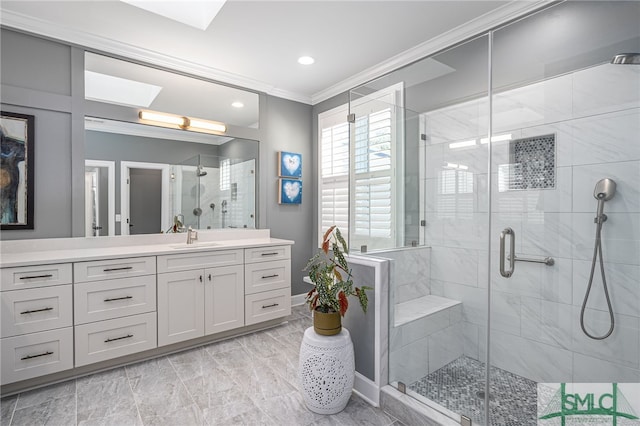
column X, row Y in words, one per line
column 192, row 235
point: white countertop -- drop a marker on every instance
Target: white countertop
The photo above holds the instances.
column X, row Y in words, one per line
column 59, row 250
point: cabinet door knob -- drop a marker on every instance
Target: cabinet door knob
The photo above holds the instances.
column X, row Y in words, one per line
column 209, row 277
column 200, row 278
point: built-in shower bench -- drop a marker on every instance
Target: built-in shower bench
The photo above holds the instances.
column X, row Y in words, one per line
column 426, row 335
column 421, row 307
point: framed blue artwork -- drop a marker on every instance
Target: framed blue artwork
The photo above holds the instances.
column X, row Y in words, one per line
column 290, row 164
column 290, row 191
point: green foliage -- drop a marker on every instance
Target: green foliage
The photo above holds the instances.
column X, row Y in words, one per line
column 330, row 272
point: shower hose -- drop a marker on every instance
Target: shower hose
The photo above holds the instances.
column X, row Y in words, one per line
column 597, row 250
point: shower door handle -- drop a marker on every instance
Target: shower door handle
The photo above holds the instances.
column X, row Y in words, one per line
column 512, row 252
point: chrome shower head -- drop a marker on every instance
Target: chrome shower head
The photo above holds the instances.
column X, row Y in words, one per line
column 605, row 189
column 626, row 59
column 200, row 171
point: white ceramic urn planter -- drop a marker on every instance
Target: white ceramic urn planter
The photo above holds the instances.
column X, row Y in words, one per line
column 326, row 371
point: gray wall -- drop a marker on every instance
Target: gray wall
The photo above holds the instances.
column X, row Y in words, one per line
column 45, row 79
column 288, row 128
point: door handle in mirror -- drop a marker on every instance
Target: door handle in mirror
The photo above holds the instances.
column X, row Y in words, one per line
column 512, row 252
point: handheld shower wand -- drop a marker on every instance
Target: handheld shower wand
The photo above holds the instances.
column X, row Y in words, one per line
column 604, row 191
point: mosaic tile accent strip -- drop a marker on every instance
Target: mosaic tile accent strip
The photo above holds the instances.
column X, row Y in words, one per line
column 459, row 386
column 533, row 163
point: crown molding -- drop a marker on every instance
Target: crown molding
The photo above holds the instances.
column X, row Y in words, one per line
column 512, row 10
column 24, row 23
column 508, row 12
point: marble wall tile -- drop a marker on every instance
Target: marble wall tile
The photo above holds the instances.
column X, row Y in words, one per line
column 555, row 282
column 409, row 363
column 622, row 347
column 627, row 197
column 505, row 312
column 546, row 234
column 422, row 327
column 605, row 88
column 470, row 335
column 588, row 369
column 607, row 138
column 454, row 265
column 536, row 361
column 460, row 122
column 474, row 301
column 466, row 232
column 548, row 101
column 556, row 199
column 445, row 346
column 547, row 322
column 620, row 242
column 622, row 283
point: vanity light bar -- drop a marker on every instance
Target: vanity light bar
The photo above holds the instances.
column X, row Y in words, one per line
column 184, row 123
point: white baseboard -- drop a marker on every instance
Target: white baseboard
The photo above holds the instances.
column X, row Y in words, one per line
column 298, row 299
column 367, row 390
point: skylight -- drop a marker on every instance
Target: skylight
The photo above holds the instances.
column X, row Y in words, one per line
column 120, row 91
column 197, row 14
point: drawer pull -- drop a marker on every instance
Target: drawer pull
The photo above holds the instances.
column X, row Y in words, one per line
column 269, row 276
column 118, row 338
column 269, row 306
column 31, row 277
column 32, row 311
column 124, row 268
column 275, row 253
column 36, row 356
column 113, row 299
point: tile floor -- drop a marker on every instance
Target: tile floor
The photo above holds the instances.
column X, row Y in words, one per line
column 247, row 380
column 456, row 386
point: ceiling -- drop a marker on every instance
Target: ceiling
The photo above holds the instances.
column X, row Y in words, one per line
column 256, row 44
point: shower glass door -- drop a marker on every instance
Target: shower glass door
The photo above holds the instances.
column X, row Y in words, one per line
column 562, row 119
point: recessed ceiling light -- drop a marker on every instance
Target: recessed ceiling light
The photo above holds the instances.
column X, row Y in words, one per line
column 237, row 104
column 306, row 60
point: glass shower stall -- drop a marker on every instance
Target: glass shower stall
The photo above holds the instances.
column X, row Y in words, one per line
column 502, row 176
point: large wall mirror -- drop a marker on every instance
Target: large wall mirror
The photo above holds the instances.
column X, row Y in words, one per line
column 142, row 179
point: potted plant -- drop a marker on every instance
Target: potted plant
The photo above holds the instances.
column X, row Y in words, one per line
column 331, row 275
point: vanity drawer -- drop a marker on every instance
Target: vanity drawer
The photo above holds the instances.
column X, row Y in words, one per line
column 102, row 300
column 114, row 268
column 267, row 254
column 267, row 276
column 267, row 305
column 35, row 276
column 109, row 339
column 36, row 309
column 36, row 354
column 206, row 259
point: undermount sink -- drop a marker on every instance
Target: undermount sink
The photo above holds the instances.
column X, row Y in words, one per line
column 203, row 244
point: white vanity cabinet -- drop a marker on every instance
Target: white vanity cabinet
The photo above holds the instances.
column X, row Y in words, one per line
column 76, row 306
column 36, row 330
column 114, row 308
column 199, row 294
column 267, row 283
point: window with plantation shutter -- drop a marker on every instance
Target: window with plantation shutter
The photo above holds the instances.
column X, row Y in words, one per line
column 334, row 170
column 377, row 169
